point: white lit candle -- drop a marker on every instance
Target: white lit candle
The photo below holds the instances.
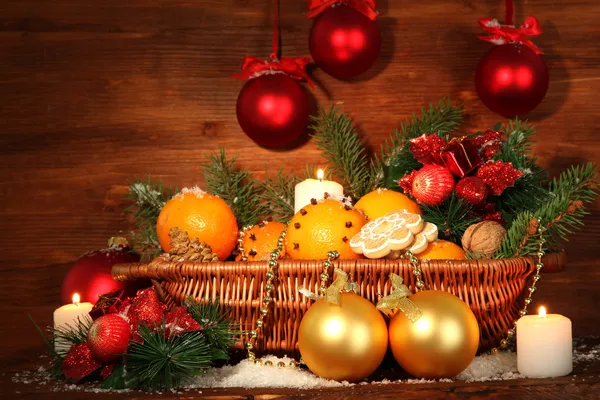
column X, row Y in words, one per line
column 544, row 345
column 69, row 315
column 310, row 189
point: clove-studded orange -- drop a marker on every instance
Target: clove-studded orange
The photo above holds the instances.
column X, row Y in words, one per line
column 260, row 240
column 321, row 227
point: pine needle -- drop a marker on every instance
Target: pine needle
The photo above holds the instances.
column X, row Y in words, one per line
column 161, row 362
column 278, row 194
column 74, row 334
column 452, row 218
column 237, row 188
column 340, row 144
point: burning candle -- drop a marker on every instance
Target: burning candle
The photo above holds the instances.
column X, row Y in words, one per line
column 544, row 345
column 68, row 316
column 310, row 189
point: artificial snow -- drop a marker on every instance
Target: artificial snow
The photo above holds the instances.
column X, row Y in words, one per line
column 491, row 367
column 199, row 193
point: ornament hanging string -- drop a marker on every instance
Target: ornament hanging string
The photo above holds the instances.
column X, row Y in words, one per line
column 366, row 7
column 503, row 34
column 253, row 67
column 509, row 12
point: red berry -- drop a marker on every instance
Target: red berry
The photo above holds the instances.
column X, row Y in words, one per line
column 432, row 185
column 473, row 190
column 108, row 338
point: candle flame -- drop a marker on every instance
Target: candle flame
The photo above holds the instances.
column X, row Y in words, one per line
column 320, row 174
column 76, row 298
column 542, row 312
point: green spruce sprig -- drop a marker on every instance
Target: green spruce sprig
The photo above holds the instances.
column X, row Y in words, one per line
column 339, row 142
column 161, row 361
column 442, row 118
column 277, row 193
column 452, row 218
column 148, row 199
column 237, row 188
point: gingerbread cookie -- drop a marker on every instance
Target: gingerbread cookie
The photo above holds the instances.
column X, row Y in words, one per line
column 423, row 238
column 394, row 231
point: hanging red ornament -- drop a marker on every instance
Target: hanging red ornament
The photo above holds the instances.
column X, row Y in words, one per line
column 489, row 144
column 91, row 274
column 426, row 148
column 498, row 175
column 473, row 190
column 272, row 107
column 460, row 156
column 108, row 337
column 344, row 39
column 431, row 185
column 79, row 362
column 146, row 308
column 511, row 79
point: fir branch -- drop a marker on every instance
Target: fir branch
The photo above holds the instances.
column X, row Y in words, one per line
column 441, row 118
column 219, row 330
column 237, row 188
column 161, row 362
column 528, row 193
column 340, row 144
column 148, row 198
column 73, row 334
column 277, row 194
column 518, row 138
column 452, row 218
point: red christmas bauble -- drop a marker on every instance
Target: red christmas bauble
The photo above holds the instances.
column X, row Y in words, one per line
column 344, row 42
column 272, row 109
column 511, row 79
column 473, row 190
column 108, row 337
column 91, row 275
column 79, row 362
column 432, row 185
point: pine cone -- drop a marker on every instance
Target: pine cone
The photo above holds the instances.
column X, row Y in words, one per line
column 184, row 249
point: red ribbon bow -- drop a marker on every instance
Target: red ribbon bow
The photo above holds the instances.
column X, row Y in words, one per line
column 366, row 7
column 253, row 67
column 502, row 34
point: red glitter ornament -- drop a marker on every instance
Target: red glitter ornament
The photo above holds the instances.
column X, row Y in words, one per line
column 344, row 42
column 489, row 144
column 431, row 185
column 91, row 274
column 147, row 309
column 473, row 190
column 79, row 362
column 426, row 148
column 108, row 338
column 179, row 320
column 498, row 175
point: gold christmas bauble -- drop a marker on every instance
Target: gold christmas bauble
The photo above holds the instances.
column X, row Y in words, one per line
column 440, row 344
column 345, row 342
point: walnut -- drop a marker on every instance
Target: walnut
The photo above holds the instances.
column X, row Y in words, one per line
column 483, row 238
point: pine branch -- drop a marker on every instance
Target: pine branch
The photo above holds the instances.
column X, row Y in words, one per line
column 340, row 144
column 452, row 218
column 219, row 330
column 237, row 188
column 441, row 118
column 148, row 198
column 161, row 362
column 277, row 194
column 528, row 193
column 73, row 334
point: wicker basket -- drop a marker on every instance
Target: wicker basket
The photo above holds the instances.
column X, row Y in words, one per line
column 492, row 288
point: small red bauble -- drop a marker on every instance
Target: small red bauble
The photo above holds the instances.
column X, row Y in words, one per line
column 91, row 274
column 79, row 362
column 473, row 190
column 272, row 109
column 146, row 308
column 344, row 42
column 432, row 185
column 108, row 338
column 511, row 79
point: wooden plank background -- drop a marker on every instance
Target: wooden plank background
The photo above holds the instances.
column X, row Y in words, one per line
column 94, row 93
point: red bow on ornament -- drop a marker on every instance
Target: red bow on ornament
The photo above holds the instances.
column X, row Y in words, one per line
column 502, row 34
column 253, row 67
column 366, row 7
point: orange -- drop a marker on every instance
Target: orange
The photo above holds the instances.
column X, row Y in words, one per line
column 202, row 216
column 319, row 228
column 260, row 241
column 382, row 201
column 442, row 250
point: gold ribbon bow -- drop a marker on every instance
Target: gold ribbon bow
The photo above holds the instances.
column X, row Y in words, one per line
column 332, row 294
column 398, row 299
